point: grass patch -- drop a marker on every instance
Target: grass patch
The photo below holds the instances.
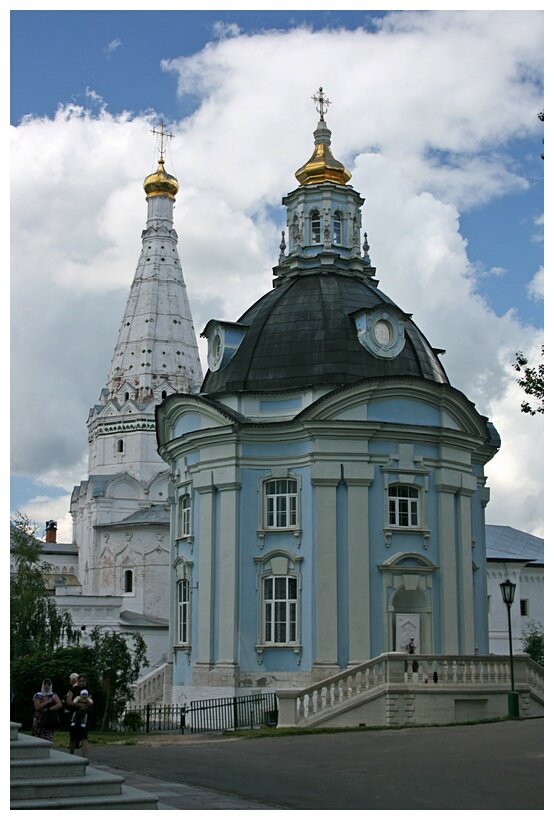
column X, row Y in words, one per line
column 61, row 738
column 330, row 730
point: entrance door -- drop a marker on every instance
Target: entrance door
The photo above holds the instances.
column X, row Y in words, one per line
column 407, row 627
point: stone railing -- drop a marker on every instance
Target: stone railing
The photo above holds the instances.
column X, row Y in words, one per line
column 154, row 687
column 398, row 668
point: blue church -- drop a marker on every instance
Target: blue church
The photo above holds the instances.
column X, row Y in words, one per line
column 327, row 484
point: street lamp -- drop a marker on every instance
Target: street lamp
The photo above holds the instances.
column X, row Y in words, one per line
column 508, row 589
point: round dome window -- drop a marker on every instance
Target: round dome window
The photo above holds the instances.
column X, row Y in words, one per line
column 383, row 332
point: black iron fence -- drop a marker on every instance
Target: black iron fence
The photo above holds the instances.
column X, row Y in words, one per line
column 240, row 712
column 216, row 714
column 153, row 718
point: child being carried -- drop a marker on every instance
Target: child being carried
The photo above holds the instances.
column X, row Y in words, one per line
column 83, row 701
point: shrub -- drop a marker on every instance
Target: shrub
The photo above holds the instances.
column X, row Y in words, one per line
column 533, row 641
column 132, row 721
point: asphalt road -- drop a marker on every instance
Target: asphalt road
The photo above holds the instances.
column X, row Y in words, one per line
column 487, row 766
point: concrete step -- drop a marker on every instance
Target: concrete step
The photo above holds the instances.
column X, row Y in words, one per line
column 27, row 746
column 59, row 764
column 95, row 783
column 129, row 799
column 43, row 778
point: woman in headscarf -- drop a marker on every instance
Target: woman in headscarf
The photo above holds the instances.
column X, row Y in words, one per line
column 45, row 701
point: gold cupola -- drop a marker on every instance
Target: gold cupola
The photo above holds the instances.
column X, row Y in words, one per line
column 322, row 166
column 160, row 182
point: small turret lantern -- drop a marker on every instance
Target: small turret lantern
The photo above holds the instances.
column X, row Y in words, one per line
column 322, row 166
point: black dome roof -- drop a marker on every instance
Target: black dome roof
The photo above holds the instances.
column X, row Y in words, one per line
column 302, row 334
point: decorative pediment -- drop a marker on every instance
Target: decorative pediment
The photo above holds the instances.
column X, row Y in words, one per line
column 183, row 568
column 409, row 561
column 126, row 554
column 410, row 402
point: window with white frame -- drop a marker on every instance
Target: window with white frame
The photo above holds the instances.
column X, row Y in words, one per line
column 128, row 581
column 315, row 225
column 280, row 603
column 403, row 506
column 186, row 515
column 281, row 503
column 337, row 228
column 183, row 611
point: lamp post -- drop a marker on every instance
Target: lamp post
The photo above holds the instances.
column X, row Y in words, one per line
column 508, row 589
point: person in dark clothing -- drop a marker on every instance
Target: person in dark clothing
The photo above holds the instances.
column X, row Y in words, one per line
column 78, row 735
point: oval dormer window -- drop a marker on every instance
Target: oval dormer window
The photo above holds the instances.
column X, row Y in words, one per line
column 216, row 350
column 383, row 332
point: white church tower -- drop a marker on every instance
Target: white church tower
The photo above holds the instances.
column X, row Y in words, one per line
column 120, row 513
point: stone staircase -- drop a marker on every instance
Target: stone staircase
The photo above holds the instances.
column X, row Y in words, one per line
column 387, row 691
column 43, row 778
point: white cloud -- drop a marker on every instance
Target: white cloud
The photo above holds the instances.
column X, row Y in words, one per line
column 422, row 111
column 113, row 46
column 222, row 30
column 538, row 234
column 535, row 288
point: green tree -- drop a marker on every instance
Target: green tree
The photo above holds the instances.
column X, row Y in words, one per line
column 532, row 382
column 27, row 672
column 119, row 657
column 533, row 641
column 36, row 623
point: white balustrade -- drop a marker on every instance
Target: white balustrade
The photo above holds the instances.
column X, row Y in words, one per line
column 398, row 668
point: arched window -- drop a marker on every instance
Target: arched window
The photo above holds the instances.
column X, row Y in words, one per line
column 164, row 394
column 120, row 445
column 403, row 506
column 128, row 581
column 280, row 609
column 279, row 586
column 183, row 611
column 126, row 397
column 337, row 229
column 280, row 503
column 315, row 225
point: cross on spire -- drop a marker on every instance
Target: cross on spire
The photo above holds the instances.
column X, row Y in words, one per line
column 162, row 134
column 322, row 103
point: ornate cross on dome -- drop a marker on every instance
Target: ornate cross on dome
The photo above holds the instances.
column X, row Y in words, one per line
column 322, row 103
column 162, row 134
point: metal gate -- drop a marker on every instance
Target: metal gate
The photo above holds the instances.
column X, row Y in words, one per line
column 241, row 712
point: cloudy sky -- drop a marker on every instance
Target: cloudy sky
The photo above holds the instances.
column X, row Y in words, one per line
column 435, row 115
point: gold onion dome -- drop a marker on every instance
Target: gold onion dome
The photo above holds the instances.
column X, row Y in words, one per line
column 322, row 166
column 160, row 182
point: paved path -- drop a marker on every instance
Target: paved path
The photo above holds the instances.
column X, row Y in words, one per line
column 178, row 796
column 488, row 766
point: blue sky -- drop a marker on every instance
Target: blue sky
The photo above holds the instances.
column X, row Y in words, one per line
column 434, row 113
column 106, row 48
